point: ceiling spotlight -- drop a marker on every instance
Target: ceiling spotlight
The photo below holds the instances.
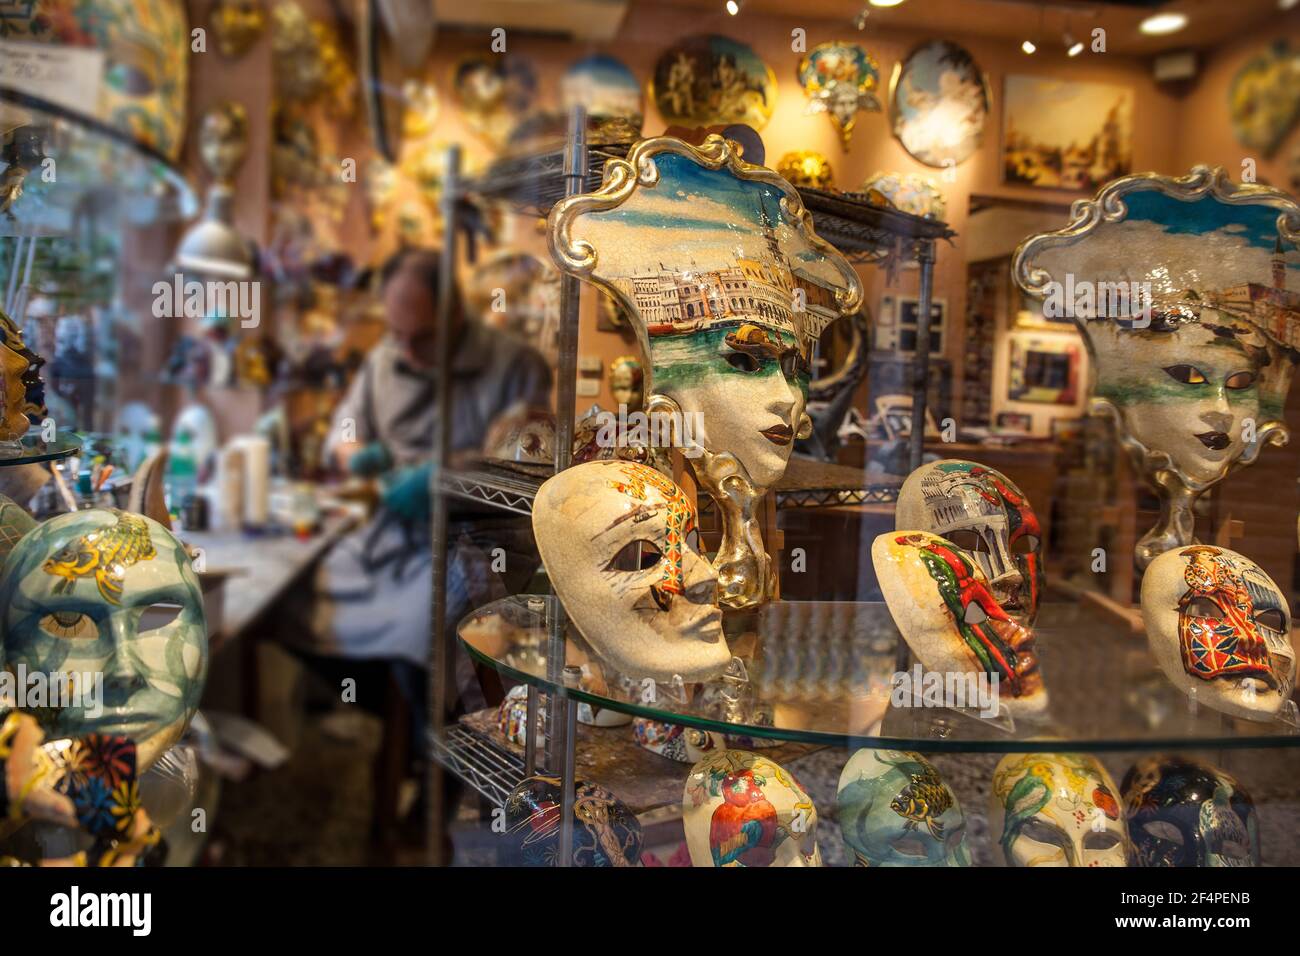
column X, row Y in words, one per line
column 1028, row 47
column 1286, row 4
column 1161, row 23
column 1073, row 47
column 733, row 7
column 884, row 3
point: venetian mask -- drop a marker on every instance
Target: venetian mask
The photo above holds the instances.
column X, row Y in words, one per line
column 840, row 79
column 982, row 512
column 619, row 543
column 946, row 610
column 223, row 139
column 807, row 169
column 625, row 382
column 1220, row 629
column 1181, row 288
column 727, row 288
column 512, row 717
column 112, row 593
column 605, row 831
column 1185, row 813
column 14, row 523
column 895, row 810
column 521, row 433
column 1056, row 810
column 237, row 25
column 683, row 744
column 22, row 393
column 741, row 809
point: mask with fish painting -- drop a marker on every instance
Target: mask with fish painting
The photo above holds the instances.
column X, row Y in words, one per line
column 112, row 593
column 618, row 540
column 895, row 810
column 727, row 287
column 1056, row 810
column 946, row 610
column 1187, row 292
column 1220, row 629
column 1186, row 813
column 981, row 511
column 741, row 809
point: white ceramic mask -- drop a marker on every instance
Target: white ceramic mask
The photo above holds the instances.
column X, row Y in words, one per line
column 944, row 608
column 741, row 809
column 617, row 539
column 1056, row 810
column 981, row 511
column 1220, row 629
column 683, row 744
column 895, row 810
column 112, row 593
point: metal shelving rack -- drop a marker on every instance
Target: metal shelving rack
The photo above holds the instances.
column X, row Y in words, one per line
column 863, row 232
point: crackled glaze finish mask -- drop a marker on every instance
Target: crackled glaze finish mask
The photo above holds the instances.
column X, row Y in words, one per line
column 740, row 809
column 1056, row 810
column 1220, row 629
column 943, row 606
column 683, row 744
column 1186, row 813
column 605, row 831
column 618, row 542
column 1188, row 294
column 105, row 591
column 727, row 286
column 980, row 510
column 840, row 80
column 895, row 810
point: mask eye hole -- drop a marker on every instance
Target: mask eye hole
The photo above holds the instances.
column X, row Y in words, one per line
column 1187, row 374
column 1105, row 840
column 638, row 555
column 975, row 614
column 743, row 362
column 1273, row 619
column 1204, row 607
column 69, row 625
column 1025, row 544
column 1163, row 830
column 158, row 615
column 968, row 540
column 1239, row 380
column 909, row 846
column 793, row 365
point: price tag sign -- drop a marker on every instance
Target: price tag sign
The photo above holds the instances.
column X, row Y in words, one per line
column 69, row 77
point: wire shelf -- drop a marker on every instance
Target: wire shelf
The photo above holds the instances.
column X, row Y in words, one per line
column 488, row 768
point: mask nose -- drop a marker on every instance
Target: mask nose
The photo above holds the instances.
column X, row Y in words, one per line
column 699, row 580
column 122, row 671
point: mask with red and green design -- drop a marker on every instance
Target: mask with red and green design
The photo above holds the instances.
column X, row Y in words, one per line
column 944, row 607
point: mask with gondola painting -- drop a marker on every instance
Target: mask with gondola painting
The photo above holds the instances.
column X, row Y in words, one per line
column 1220, row 629
column 946, row 610
column 1186, row 813
column 982, row 511
column 619, row 543
column 895, row 810
column 741, row 809
column 1056, row 810
column 106, row 592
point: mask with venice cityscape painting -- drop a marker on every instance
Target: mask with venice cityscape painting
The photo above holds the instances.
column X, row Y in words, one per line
column 1184, row 290
column 728, row 287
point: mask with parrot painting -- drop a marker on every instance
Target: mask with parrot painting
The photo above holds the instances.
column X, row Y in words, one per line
column 946, row 610
column 741, row 809
column 112, row 593
column 1185, row 813
column 1056, row 810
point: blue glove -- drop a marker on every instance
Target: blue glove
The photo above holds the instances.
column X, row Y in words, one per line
column 406, row 493
column 372, row 460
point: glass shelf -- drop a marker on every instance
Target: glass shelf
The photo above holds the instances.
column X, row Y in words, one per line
column 36, row 451
column 822, row 671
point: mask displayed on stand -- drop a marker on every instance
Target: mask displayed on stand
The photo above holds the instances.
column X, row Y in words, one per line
column 512, row 718
column 728, row 288
column 605, row 831
column 741, row 809
column 1220, row 629
column 895, row 810
column 1056, row 810
column 944, row 607
column 1186, row 813
column 618, row 542
column 627, row 382
column 108, row 592
column 981, row 511
column 683, row 744
column 1183, row 291
column 840, row 80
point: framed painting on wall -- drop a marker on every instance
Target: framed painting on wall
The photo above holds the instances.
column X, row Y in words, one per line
column 1044, row 369
column 896, row 326
column 1060, row 134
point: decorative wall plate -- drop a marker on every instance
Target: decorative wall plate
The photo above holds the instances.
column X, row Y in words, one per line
column 807, row 169
column 727, row 286
column 708, row 80
column 494, row 93
column 609, row 92
column 938, row 102
column 841, row 80
column 1185, row 292
column 1264, row 98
